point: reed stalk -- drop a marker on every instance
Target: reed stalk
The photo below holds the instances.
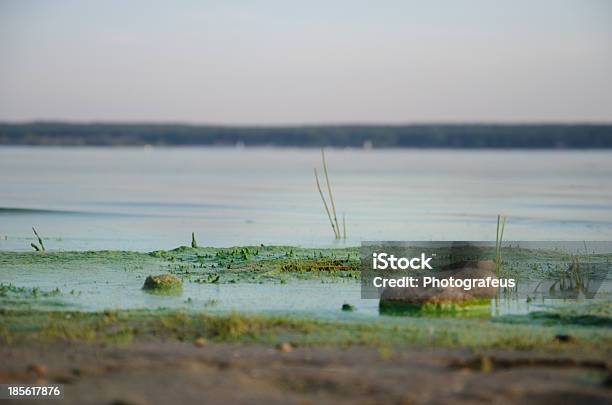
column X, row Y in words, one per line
column 336, row 231
column 499, row 236
column 41, row 244
column 331, row 196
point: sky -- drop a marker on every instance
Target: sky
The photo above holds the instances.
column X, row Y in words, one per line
column 241, row 62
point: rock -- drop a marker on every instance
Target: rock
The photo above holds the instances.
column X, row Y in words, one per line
column 564, row 338
column 440, row 300
column 471, row 264
column 436, row 295
column 200, row 342
column 162, row 282
column 38, row 369
column 284, row 347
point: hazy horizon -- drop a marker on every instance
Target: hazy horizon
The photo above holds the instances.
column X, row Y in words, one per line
column 306, row 124
column 317, row 63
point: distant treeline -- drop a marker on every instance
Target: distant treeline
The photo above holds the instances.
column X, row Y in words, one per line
column 579, row 136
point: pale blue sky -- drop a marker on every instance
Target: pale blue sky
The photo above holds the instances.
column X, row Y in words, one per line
column 275, row 62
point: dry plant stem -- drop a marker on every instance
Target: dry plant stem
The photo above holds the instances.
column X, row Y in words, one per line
column 42, row 246
column 343, row 225
column 336, row 234
column 497, row 248
column 499, row 236
column 331, row 196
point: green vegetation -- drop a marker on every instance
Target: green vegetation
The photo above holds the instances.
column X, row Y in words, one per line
column 257, row 264
column 277, row 264
column 596, row 314
column 474, row 308
column 9, row 290
column 26, row 317
column 77, row 261
column 553, row 136
column 23, row 327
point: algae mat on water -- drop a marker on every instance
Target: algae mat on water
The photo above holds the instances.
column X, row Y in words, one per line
column 257, row 279
column 40, row 277
column 109, row 279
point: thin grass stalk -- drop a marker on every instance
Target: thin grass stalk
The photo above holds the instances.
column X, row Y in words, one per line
column 331, row 196
column 42, row 246
column 331, row 222
column 497, row 236
column 344, row 226
column 497, row 248
column 501, row 239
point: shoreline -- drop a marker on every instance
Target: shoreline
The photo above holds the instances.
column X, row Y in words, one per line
column 204, row 349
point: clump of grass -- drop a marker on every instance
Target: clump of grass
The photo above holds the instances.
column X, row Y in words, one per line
column 194, row 243
column 331, row 214
column 577, row 275
column 498, row 243
column 574, row 280
column 10, row 290
column 40, row 247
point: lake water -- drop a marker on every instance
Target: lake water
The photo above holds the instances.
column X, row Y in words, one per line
column 148, row 199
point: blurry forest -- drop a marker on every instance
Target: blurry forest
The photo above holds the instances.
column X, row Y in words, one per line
column 578, row 136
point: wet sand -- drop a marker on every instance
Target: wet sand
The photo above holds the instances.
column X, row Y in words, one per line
column 180, row 372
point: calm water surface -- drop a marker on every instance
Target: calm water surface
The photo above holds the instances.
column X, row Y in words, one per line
column 139, row 199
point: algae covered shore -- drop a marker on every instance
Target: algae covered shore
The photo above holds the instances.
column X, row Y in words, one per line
column 270, row 321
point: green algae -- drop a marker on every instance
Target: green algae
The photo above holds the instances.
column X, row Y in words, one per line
column 329, row 265
column 595, row 314
column 9, row 290
column 23, row 327
column 278, row 264
column 12, row 296
column 256, row 264
column 478, row 308
column 106, row 274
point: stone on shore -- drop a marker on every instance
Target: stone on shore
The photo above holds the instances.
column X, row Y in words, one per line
column 444, row 299
column 162, row 282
